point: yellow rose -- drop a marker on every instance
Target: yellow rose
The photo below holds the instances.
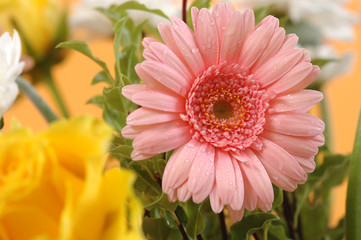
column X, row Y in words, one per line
column 52, row 185
column 37, row 21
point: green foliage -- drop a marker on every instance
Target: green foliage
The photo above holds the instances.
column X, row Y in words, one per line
column 308, row 34
column 198, row 4
column 158, row 229
column 261, row 12
column 1, row 123
column 353, row 206
column 250, row 224
column 83, row 48
column 195, row 224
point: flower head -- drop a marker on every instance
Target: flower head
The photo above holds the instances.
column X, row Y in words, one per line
column 52, row 185
column 229, row 99
column 10, row 51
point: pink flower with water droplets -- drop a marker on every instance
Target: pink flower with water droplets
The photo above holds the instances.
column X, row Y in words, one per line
column 229, row 98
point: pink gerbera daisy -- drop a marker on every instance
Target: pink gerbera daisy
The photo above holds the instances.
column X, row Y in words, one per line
column 229, row 99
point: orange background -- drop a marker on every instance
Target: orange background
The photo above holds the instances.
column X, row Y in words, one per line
column 73, row 77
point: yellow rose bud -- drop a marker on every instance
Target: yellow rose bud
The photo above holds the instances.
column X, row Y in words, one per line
column 52, row 185
column 37, row 21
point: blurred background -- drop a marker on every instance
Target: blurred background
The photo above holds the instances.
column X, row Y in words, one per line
column 74, row 74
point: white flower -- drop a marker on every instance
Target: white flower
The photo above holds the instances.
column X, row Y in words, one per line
column 329, row 16
column 10, row 69
column 338, row 65
column 86, row 17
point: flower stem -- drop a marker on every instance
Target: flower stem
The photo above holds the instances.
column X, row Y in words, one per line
column 180, row 227
column 325, row 118
column 288, row 213
column 53, row 88
column 32, row 94
column 223, row 225
column 184, row 11
column 353, row 207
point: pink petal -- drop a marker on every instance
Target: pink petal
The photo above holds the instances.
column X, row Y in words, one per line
column 159, row 101
column 167, row 76
column 295, row 124
column 238, row 198
column 131, row 132
column 146, row 116
column 280, row 159
column 147, row 41
column 236, row 215
column 179, row 164
column 184, row 39
column 148, row 80
column 250, row 196
column 307, row 163
column 255, row 44
column 292, row 78
column 194, row 14
column 216, row 203
column 277, row 66
column 289, row 42
column 233, row 39
column 307, row 81
column 221, row 13
column 303, row 146
column 264, row 206
column 278, row 177
column 149, row 55
column 248, row 17
column 201, row 174
column 256, row 175
column 268, row 19
column 304, row 99
column 167, row 56
column 272, row 48
column 165, row 31
column 172, row 196
column 162, row 138
column 225, row 176
column 207, row 38
column 129, row 90
column 136, row 155
column 183, row 193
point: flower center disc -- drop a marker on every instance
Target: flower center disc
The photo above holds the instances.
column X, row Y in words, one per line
column 226, row 107
column 222, row 110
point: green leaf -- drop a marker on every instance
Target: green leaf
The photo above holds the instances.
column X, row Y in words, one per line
column 161, row 202
column 195, row 224
column 156, row 229
column 114, row 99
column 118, row 30
column 250, row 224
column 277, row 231
column 321, row 61
column 134, row 5
column 97, row 100
column 83, row 48
column 127, row 60
column 353, row 206
column 278, row 197
column 1, row 123
column 308, row 34
column 338, row 232
column 123, row 151
column 198, row 4
column 114, row 118
column 146, row 181
column 261, row 12
column 101, row 77
column 314, row 220
column 170, row 220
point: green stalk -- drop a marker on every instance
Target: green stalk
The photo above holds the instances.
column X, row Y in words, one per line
column 325, row 118
column 353, row 201
column 26, row 88
column 54, row 90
